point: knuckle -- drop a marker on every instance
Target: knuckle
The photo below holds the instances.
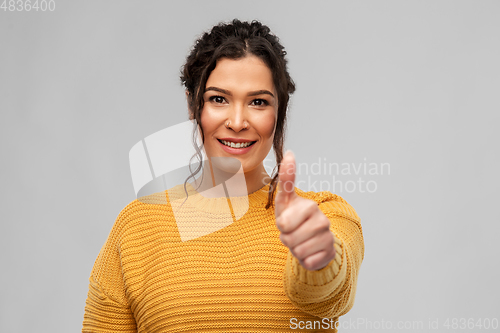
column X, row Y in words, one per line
column 324, row 222
column 328, row 240
column 286, row 239
column 311, row 205
column 309, row 265
column 285, row 223
column 282, row 239
column 299, row 252
column 280, row 223
column 322, row 226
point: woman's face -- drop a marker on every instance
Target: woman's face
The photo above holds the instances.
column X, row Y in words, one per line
column 242, row 93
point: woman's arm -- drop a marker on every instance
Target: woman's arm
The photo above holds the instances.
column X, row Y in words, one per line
column 330, row 291
column 106, row 308
column 325, row 241
column 104, row 314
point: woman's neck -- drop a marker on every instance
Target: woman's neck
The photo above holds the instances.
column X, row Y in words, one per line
column 218, row 178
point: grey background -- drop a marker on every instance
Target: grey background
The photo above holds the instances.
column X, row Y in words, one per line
column 410, row 83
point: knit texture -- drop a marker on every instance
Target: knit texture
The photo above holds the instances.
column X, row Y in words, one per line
column 239, row 278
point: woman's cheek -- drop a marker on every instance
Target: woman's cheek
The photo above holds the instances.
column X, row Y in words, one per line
column 209, row 120
column 268, row 124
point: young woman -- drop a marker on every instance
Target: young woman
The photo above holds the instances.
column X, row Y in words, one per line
column 290, row 261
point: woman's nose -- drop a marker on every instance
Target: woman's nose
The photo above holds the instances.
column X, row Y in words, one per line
column 237, row 118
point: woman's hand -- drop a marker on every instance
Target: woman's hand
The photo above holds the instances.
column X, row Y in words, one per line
column 305, row 230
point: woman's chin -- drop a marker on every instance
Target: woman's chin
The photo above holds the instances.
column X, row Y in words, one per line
column 227, row 164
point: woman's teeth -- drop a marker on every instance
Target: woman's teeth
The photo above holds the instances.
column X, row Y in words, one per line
column 236, row 145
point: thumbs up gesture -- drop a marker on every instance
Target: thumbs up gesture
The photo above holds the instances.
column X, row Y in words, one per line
column 305, row 230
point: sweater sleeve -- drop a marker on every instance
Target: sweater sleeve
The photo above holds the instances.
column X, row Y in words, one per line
column 106, row 308
column 103, row 314
column 330, row 291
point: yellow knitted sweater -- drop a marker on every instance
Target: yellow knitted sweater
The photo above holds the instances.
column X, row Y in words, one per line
column 240, row 278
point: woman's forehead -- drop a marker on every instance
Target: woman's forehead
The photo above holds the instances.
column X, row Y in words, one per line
column 240, row 75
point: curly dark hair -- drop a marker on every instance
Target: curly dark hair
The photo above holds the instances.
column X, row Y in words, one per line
column 236, row 40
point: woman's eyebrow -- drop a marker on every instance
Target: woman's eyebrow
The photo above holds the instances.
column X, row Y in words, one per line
column 252, row 93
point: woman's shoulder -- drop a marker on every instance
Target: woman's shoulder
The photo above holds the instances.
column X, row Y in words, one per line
column 144, row 212
column 330, row 202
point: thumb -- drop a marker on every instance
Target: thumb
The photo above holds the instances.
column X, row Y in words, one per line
column 286, row 182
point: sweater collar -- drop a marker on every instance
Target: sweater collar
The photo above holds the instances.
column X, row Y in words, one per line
column 199, row 201
column 197, row 215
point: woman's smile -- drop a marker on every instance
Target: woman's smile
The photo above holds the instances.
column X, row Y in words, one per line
column 236, row 146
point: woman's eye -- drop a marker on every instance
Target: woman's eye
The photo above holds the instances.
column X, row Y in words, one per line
column 260, row 102
column 217, row 99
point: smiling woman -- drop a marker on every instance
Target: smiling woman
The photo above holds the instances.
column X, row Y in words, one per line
column 240, row 71
column 231, row 264
column 240, row 108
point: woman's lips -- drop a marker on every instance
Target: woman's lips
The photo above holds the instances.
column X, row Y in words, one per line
column 236, row 151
